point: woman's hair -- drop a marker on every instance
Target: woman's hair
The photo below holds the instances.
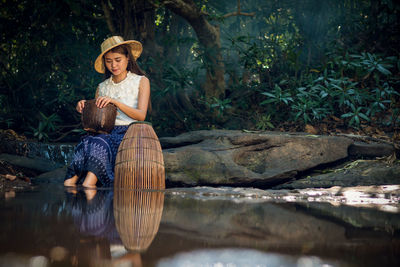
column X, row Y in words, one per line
column 132, row 64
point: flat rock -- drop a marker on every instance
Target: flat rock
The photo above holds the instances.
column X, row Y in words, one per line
column 222, row 157
column 228, row 157
column 56, row 176
column 359, row 172
column 38, row 164
column 362, row 149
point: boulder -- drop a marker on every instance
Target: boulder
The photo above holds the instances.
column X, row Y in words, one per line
column 38, row 164
column 54, row 176
column 222, row 157
column 229, row 157
column 359, row 172
column 362, row 149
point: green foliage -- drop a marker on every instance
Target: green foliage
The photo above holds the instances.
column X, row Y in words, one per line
column 175, row 79
column 333, row 91
column 277, row 96
column 47, row 125
column 289, row 62
column 355, row 115
column 264, row 123
column 220, row 105
column 46, row 61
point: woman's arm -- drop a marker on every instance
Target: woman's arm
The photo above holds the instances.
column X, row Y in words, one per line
column 143, row 101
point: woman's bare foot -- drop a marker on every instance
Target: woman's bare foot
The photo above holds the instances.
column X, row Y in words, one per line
column 90, row 180
column 71, row 181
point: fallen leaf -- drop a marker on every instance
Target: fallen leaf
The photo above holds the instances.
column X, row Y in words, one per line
column 11, row 177
column 311, row 129
column 368, row 129
column 391, row 159
column 323, row 127
column 380, row 132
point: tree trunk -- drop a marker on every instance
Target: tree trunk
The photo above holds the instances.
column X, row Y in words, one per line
column 209, row 37
column 132, row 19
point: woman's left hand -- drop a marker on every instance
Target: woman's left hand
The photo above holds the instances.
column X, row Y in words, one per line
column 103, row 101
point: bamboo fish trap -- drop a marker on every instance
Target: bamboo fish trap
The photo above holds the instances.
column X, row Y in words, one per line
column 98, row 120
column 137, row 217
column 139, row 163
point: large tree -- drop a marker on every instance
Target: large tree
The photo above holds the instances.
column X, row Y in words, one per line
column 135, row 19
column 209, row 39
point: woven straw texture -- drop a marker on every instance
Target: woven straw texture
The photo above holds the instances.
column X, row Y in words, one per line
column 98, row 120
column 137, row 217
column 140, row 163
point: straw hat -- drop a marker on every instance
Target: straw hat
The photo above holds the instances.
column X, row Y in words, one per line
column 114, row 41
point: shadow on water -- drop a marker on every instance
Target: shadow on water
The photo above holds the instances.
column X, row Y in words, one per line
column 51, row 226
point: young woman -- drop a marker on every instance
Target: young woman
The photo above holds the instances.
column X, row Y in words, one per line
column 126, row 87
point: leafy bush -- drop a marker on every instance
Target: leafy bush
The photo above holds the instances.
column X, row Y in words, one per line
column 353, row 87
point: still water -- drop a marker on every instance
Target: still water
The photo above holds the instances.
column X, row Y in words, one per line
column 203, row 226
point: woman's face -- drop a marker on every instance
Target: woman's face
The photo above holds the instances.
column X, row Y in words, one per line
column 116, row 63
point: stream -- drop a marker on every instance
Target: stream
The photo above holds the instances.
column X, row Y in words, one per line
column 50, row 225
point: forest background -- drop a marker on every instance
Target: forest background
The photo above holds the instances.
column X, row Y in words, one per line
column 323, row 67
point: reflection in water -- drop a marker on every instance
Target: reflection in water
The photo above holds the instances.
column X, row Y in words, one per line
column 137, row 217
column 115, row 226
column 93, row 216
column 240, row 257
column 102, row 228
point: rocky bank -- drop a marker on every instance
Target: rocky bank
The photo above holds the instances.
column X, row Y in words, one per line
column 239, row 158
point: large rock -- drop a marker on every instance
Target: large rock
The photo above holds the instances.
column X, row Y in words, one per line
column 38, row 164
column 359, row 172
column 223, row 157
column 56, row 153
column 240, row 158
column 54, row 176
column 371, row 150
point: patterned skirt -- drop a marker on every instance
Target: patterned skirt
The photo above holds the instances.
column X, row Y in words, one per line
column 94, row 217
column 97, row 153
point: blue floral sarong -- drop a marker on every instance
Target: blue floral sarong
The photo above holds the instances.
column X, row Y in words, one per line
column 97, row 153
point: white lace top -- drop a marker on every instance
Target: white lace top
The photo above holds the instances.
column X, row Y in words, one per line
column 126, row 91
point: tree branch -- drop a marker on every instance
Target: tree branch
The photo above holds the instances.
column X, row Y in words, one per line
column 238, row 12
column 184, row 9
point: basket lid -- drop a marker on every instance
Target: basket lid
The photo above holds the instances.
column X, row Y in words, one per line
column 141, row 122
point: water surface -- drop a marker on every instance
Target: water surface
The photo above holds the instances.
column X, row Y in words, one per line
column 52, row 226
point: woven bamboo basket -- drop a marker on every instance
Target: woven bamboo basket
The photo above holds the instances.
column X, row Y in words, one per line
column 139, row 163
column 98, row 120
column 137, row 217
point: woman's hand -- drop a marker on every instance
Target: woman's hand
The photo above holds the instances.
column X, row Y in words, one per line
column 103, row 101
column 80, row 106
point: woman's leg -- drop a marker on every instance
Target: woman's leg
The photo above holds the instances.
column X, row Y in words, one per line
column 71, row 181
column 90, row 180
